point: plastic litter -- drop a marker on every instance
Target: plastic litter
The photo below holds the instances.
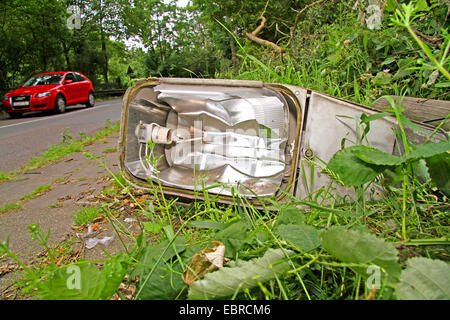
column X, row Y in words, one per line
column 92, row 242
column 90, row 233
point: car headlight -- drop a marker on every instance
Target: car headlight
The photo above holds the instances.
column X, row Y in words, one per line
column 229, row 137
column 43, row 94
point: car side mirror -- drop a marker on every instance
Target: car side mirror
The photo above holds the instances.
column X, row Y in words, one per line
column 68, row 81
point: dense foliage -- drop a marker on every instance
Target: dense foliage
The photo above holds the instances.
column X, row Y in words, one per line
column 344, row 48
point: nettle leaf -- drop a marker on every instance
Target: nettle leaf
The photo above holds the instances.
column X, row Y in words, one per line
column 84, row 281
column 233, row 237
column 152, row 253
column 356, row 246
column 376, row 156
column 207, row 224
column 439, row 170
column 227, row 281
column 351, row 170
column 388, row 60
column 425, row 279
column 165, row 281
column 429, row 150
column 290, row 215
column 303, row 237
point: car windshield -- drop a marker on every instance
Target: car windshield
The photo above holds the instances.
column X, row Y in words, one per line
column 43, row 80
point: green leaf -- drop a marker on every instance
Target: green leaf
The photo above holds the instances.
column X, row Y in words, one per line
column 246, row 274
column 442, row 84
column 152, row 253
column 389, row 60
column 355, row 246
column 351, row 170
column 84, row 281
column 376, row 156
column 153, row 227
column 303, row 237
column 207, row 224
column 425, row 279
column 165, row 282
column 421, row 5
column 382, row 79
column 290, row 215
column 429, row 150
column 233, row 237
column 439, row 170
column 375, row 116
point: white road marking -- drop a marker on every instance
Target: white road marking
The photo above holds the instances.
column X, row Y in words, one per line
column 53, row 116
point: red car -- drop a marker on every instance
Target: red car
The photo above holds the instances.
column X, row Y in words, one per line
column 49, row 91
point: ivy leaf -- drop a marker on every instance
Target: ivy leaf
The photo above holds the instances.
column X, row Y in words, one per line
column 351, row 170
column 246, row 274
column 303, row 237
column 425, row 279
column 355, row 246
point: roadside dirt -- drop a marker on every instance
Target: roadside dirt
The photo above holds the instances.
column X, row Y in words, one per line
column 76, row 182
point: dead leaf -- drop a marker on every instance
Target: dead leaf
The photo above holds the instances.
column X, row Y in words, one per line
column 94, row 227
column 203, row 262
column 98, row 219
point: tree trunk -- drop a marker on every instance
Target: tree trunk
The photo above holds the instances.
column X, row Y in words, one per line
column 233, row 50
column 66, row 55
column 105, row 57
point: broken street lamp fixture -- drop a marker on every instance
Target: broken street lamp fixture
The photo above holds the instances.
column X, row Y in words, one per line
column 232, row 136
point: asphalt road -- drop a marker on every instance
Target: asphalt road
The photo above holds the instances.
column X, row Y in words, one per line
column 21, row 139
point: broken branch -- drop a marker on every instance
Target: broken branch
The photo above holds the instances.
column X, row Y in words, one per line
column 253, row 37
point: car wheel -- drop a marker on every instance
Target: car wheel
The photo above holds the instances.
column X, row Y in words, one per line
column 60, row 104
column 15, row 115
column 91, row 100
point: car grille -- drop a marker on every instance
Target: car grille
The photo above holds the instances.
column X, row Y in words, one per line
column 21, row 102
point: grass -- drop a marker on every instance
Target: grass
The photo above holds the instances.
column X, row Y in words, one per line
column 25, row 198
column 110, row 150
column 57, row 152
column 36, row 193
column 55, row 205
column 10, row 207
column 86, row 215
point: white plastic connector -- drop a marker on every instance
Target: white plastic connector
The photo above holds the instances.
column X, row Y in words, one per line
column 153, row 132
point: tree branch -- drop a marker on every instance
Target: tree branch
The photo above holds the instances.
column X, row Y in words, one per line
column 253, row 37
